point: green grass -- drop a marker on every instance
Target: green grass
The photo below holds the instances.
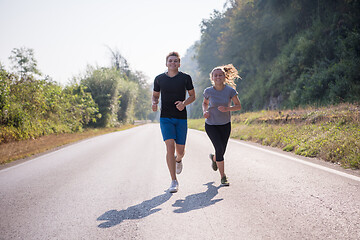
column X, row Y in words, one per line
column 331, row 134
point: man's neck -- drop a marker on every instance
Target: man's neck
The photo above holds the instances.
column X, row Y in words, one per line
column 172, row 73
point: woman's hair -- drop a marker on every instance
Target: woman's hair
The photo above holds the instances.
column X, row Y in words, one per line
column 230, row 74
column 175, row 54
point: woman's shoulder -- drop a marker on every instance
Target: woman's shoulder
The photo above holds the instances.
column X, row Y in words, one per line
column 230, row 89
column 207, row 92
column 209, row 89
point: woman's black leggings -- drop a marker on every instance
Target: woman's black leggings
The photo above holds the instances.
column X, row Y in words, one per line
column 219, row 136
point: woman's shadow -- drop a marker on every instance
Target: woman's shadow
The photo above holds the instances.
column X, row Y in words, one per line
column 148, row 207
column 198, row 200
column 144, row 209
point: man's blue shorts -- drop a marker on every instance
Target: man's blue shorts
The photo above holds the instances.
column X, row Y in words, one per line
column 173, row 128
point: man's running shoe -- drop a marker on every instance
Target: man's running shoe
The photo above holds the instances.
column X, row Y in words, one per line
column 224, row 181
column 213, row 163
column 174, row 187
column 179, row 166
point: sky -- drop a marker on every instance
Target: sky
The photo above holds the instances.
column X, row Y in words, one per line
column 68, row 35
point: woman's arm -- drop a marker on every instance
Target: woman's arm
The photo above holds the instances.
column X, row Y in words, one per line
column 205, row 106
column 235, row 107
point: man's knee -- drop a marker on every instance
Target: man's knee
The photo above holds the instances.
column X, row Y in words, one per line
column 170, row 145
column 180, row 150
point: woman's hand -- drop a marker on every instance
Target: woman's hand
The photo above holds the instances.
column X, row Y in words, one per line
column 206, row 114
column 223, row 109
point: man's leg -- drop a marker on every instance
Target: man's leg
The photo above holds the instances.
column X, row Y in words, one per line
column 181, row 133
column 180, row 152
column 170, row 158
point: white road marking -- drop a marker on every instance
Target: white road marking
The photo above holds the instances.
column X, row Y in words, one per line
column 300, row 161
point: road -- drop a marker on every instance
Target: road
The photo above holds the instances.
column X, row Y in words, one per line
column 114, row 187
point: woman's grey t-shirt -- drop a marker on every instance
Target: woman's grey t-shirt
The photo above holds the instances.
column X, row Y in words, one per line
column 219, row 98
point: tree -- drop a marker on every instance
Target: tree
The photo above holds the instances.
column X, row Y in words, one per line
column 103, row 84
column 24, row 62
column 119, row 62
column 297, row 52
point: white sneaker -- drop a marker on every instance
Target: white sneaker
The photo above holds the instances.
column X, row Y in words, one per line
column 174, row 187
column 179, row 167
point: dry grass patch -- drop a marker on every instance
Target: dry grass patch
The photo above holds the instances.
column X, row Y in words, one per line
column 21, row 149
column 331, row 134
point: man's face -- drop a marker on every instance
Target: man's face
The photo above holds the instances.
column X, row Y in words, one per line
column 173, row 63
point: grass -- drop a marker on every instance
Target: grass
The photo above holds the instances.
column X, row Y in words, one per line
column 331, row 134
column 21, row 149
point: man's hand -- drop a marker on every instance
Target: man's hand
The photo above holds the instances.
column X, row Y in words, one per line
column 155, row 100
column 180, row 105
column 154, row 107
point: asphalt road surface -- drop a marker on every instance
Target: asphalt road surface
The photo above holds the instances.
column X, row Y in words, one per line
column 114, row 187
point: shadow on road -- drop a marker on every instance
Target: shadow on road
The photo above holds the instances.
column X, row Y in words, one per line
column 148, row 207
column 144, row 209
column 198, row 200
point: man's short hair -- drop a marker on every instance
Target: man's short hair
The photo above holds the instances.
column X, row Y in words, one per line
column 176, row 54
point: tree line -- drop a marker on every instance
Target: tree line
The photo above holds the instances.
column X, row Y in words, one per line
column 289, row 53
column 33, row 105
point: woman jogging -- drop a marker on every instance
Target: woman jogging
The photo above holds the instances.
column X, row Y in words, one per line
column 216, row 109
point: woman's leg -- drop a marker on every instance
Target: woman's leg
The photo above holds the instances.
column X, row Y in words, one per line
column 224, row 131
column 215, row 135
column 219, row 136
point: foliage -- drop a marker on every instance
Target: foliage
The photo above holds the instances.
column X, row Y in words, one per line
column 33, row 106
column 135, row 93
column 118, row 97
column 288, row 53
column 24, row 61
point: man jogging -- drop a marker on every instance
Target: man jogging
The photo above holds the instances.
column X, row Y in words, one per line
column 172, row 85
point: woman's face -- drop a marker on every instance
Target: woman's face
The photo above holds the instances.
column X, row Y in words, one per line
column 218, row 77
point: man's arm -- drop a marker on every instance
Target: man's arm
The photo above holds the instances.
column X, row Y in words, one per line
column 180, row 105
column 155, row 100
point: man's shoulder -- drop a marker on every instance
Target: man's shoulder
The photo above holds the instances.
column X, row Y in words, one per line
column 184, row 74
column 161, row 75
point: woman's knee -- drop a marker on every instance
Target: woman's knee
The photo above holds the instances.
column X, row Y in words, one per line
column 219, row 155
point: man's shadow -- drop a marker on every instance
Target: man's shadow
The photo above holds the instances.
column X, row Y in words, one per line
column 144, row 209
column 198, row 200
